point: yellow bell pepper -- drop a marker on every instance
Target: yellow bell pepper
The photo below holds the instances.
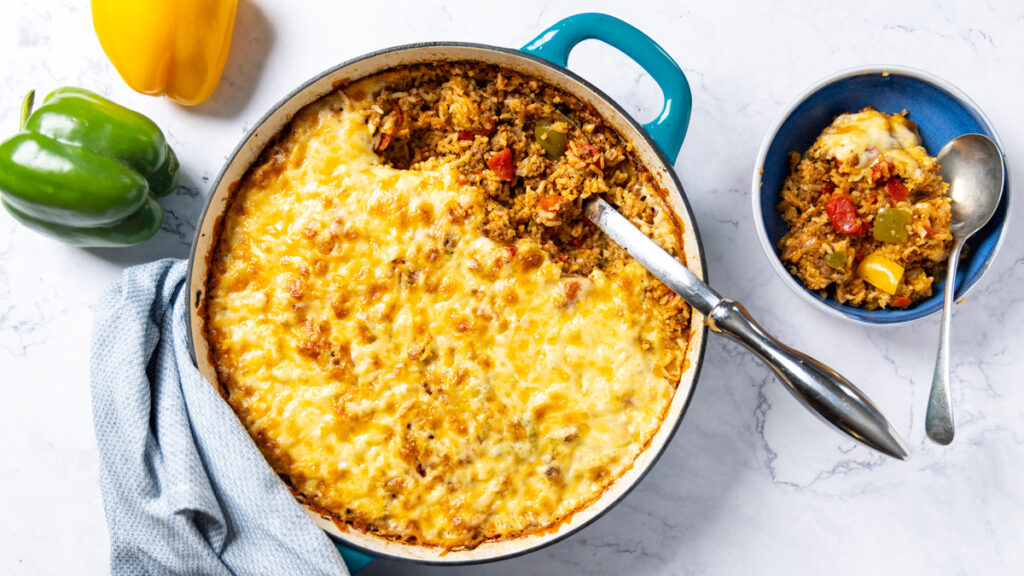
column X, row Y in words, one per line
column 880, row 272
column 173, row 47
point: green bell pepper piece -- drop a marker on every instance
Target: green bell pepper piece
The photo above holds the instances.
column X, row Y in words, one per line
column 891, row 224
column 552, row 141
column 837, row 260
column 85, row 171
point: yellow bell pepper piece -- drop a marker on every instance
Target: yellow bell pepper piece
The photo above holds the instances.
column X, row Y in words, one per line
column 172, row 47
column 880, row 272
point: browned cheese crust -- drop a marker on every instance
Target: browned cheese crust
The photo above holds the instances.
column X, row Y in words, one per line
column 417, row 326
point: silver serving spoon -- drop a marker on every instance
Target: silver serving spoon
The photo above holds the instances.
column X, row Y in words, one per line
column 973, row 167
column 817, row 386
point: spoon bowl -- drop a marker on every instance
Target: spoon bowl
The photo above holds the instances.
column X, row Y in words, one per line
column 973, row 167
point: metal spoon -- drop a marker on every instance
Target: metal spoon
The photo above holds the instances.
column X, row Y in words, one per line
column 817, row 386
column 973, row 167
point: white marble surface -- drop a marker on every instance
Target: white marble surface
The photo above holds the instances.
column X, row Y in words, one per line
column 751, row 483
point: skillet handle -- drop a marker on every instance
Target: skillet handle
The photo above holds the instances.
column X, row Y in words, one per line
column 354, row 559
column 669, row 128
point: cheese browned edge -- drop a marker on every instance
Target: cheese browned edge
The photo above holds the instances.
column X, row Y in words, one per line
column 279, row 458
column 856, row 140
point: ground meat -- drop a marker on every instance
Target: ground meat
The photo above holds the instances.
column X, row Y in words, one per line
column 469, row 115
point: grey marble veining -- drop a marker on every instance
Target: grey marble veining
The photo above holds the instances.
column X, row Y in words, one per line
column 752, row 483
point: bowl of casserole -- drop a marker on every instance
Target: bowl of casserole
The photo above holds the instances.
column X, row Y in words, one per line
column 848, row 202
column 394, row 289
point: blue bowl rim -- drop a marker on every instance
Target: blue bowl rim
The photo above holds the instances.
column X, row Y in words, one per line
column 784, row 115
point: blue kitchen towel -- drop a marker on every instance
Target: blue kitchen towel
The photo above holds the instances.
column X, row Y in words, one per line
column 185, row 489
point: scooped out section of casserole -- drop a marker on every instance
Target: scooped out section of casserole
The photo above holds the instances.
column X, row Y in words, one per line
column 409, row 368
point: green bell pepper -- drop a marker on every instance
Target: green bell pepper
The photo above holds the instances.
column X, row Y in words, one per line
column 552, row 141
column 891, row 224
column 86, row 171
column 837, row 260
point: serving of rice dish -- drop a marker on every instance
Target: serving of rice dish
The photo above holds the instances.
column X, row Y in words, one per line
column 867, row 213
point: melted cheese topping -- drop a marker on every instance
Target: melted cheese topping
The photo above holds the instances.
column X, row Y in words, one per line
column 406, row 373
column 857, row 139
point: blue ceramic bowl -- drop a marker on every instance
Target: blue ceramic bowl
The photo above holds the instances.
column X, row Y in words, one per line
column 942, row 112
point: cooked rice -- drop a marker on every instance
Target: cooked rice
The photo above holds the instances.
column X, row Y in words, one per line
column 426, row 116
column 811, row 236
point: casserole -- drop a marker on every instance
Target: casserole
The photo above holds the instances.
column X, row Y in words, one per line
column 544, row 59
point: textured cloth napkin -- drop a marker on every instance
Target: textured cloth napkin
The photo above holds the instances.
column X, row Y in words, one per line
column 185, row 489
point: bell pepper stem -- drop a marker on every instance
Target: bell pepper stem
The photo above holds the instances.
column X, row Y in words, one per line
column 26, row 108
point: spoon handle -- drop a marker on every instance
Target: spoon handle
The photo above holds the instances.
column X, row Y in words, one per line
column 938, row 421
column 821, row 389
column 817, row 386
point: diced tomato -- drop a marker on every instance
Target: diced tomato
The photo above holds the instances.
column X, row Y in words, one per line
column 896, row 190
column 550, row 203
column 392, row 124
column 590, row 154
column 828, row 188
column 382, row 144
column 489, row 127
column 465, row 135
column 502, row 164
column 858, row 256
column 843, row 215
column 929, row 230
column 901, row 301
column 883, row 167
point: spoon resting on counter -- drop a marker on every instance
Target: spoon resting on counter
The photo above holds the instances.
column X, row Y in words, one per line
column 815, row 385
column 973, row 167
